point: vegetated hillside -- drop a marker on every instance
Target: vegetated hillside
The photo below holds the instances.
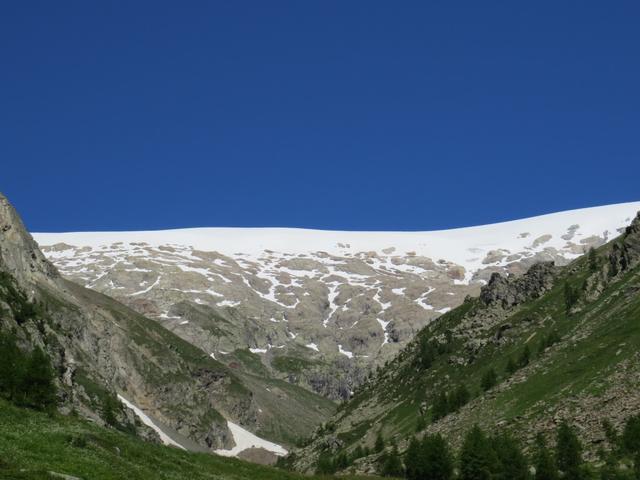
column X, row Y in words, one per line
column 558, row 343
column 100, row 348
column 37, row 446
column 319, row 309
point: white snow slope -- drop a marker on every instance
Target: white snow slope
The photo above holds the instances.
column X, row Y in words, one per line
column 244, row 439
column 463, row 246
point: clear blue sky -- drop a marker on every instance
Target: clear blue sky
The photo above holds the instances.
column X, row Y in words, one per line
column 326, row 114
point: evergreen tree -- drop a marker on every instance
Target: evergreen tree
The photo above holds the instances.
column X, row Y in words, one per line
column 459, row 398
column 511, row 367
column 568, row 452
column 489, row 379
column 38, row 388
column 109, row 409
column 478, row 461
column 609, row 470
column 612, row 437
column 421, row 423
column 413, row 460
column 570, row 296
column 544, row 463
column 379, row 445
column 593, row 260
column 631, row 435
column 512, row 462
column 525, row 356
column 636, row 465
column 11, row 367
column 427, row 354
column 440, row 406
column 358, row 452
column 325, row 465
column 437, row 462
column 391, row 464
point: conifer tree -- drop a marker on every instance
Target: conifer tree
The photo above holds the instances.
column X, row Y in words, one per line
column 478, row 461
column 511, row 367
column 631, row 434
column 391, row 464
column 568, row 452
column 379, row 445
column 459, row 398
column 38, row 388
column 489, row 379
column 11, row 367
column 544, row 463
column 413, row 460
column 437, row 462
column 525, row 356
column 636, row 465
column 570, row 296
column 512, row 464
column 441, row 406
column 593, row 260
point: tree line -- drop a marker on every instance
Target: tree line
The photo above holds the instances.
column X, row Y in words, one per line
column 500, row 457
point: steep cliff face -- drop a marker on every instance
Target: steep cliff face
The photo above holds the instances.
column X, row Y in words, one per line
column 561, row 342
column 101, row 348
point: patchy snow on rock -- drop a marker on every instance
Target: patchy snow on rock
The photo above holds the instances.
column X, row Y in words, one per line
column 258, row 350
column 144, row 418
column 384, row 324
column 345, row 352
column 312, row 346
column 244, row 439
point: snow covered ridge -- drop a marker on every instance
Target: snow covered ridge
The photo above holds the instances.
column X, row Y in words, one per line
column 463, row 246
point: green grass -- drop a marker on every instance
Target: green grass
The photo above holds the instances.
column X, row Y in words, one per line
column 33, row 444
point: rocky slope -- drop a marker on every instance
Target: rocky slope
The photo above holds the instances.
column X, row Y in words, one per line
column 101, row 348
column 315, row 308
column 563, row 345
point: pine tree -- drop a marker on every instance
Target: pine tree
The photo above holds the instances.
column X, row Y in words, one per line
column 427, row 354
column 459, row 398
column 593, row 260
column 631, row 435
column 525, row 356
column 568, row 452
column 440, row 406
column 11, row 367
column 512, row 462
column 392, row 465
column 570, row 296
column 544, row 463
column 38, row 388
column 609, row 470
column 437, row 462
column 489, row 379
column 379, row 445
column 511, row 367
column 413, row 460
column 325, row 465
column 478, row 461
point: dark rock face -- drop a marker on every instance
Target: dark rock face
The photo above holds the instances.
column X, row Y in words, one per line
column 626, row 253
column 505, row 292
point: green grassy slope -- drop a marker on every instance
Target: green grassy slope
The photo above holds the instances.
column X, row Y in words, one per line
column 32, row 444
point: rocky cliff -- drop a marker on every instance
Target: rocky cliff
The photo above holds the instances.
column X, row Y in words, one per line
column 101, row 348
